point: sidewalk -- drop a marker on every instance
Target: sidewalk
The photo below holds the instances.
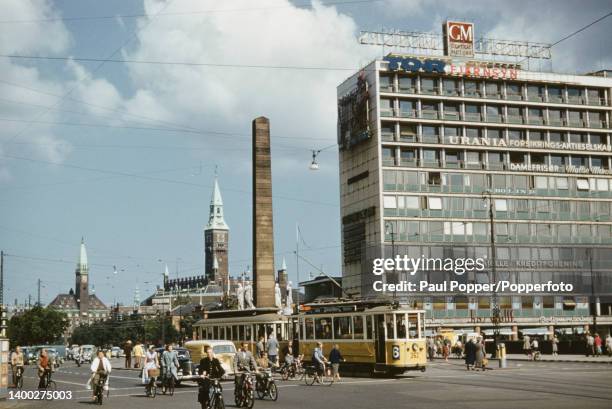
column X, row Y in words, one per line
column 603, row 359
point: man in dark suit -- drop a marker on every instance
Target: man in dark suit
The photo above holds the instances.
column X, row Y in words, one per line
column 243, row 361
column 210, row 367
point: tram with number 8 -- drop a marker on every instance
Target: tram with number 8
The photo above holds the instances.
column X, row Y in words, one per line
column 374, row 337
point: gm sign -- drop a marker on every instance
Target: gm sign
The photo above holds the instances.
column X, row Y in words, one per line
column 459, row 39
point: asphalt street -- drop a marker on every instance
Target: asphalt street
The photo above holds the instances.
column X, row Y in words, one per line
column 523, row 384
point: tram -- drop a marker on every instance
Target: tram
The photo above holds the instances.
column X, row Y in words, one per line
column 247, row 326
column 374, row 337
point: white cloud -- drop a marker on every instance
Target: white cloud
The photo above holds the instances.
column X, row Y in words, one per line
column 29, row 38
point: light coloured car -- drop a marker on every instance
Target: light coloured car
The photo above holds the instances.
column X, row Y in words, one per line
column 116, row 352
column 225, row 351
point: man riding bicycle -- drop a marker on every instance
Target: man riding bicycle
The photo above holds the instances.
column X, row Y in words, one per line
column 17, row 364
column 243, row 361
column 318, row 359
column 209, row 368
column 44, row 369
column 170, row 364
column 100, row 370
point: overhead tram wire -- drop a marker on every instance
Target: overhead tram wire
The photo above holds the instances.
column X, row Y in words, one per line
column 305, row 5
column 184, row 63
column 156, row 179
column 567, row 37
column 96, row 69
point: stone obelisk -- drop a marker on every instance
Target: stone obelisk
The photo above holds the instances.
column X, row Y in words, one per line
column 263, row 227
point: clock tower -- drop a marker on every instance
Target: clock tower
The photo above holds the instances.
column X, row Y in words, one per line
column 216, row 240
column 82, row 282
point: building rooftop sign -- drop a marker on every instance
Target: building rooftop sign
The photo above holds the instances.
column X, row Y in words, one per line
column 458, row 40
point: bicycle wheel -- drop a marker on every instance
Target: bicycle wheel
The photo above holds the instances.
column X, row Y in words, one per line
column 237, row 398
column 273, row 391
column 219, row 404
column 20, row 382
column 285, row 374
column 327, row 378
column 99, row 397
column 51, row 386
column 164, row 387
column 171, row 386
column 153, row 390
column 249, row 399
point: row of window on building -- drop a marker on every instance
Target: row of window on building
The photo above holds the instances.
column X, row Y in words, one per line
column 406, row 180
column 494, row 113
column 495, row 160
column 516, row 91
column 600, row 210
column 417, row 231
column 412, row 132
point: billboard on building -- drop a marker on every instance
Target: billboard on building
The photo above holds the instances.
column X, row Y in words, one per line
column 458, row 39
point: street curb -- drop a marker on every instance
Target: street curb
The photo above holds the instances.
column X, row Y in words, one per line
column 574, row 361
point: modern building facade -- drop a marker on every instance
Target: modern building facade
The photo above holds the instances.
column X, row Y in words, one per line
column 428, row 144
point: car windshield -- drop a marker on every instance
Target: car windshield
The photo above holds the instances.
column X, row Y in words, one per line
column 224, row 349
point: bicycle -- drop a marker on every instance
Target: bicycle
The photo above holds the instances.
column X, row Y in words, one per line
column 151, row 387
column 312, row 374
column 19, row 377
column 244, row 396
column 98, row 388
column 49, row 385
column 168, row 384
column 266, row 386
column 215, row 394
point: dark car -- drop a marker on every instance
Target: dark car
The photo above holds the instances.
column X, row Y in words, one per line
column 186, row 369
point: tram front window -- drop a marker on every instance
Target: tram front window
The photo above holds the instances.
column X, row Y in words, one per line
column 413, row 326
column 342, row 328
column 400, row 324
column 309, row 329
column 358, row 327
column 323, row 328
column 389, row 321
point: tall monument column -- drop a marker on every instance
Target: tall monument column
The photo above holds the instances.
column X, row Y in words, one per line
column 263, row 227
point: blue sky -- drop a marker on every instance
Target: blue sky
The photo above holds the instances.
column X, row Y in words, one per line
column 124, row 154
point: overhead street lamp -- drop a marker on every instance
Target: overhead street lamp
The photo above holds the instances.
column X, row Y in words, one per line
column 389, row 229
column 495, row 318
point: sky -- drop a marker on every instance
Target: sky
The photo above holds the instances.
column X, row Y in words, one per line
column 124, row 154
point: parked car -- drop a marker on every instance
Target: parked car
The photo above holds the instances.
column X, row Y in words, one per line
column 116, row 352
column 88, row 353
column 187, row 370
column 224, row 350
column 55, row 357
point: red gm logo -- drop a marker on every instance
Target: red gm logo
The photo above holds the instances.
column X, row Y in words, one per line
column 460, row 32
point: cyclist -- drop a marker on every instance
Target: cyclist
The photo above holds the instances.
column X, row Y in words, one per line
column 319, row 360
column 243, row 361
column 17, row 363
column 44, row 369
column 151, row 363
column 210, row 367
column 100, row 366
column 170, row 364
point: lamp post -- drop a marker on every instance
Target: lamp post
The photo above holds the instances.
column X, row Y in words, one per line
column 594, row 300
column 389, row 229
column 495, row 313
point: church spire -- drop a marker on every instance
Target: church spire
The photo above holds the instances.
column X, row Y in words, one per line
column 82, row 264
column 215, row 218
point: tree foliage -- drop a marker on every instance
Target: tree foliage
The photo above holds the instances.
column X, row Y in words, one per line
column 117, row 332
column 37, row 326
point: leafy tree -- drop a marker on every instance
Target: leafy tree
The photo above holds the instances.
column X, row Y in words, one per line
column 37, row 326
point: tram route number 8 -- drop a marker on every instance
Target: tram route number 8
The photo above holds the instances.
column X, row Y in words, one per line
column 395, row 352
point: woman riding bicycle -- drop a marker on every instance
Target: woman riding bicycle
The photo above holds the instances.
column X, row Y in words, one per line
column 100, row 370
column 151, row 363
column 170, row 364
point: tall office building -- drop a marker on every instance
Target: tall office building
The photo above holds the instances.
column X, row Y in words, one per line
column 428, row 143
